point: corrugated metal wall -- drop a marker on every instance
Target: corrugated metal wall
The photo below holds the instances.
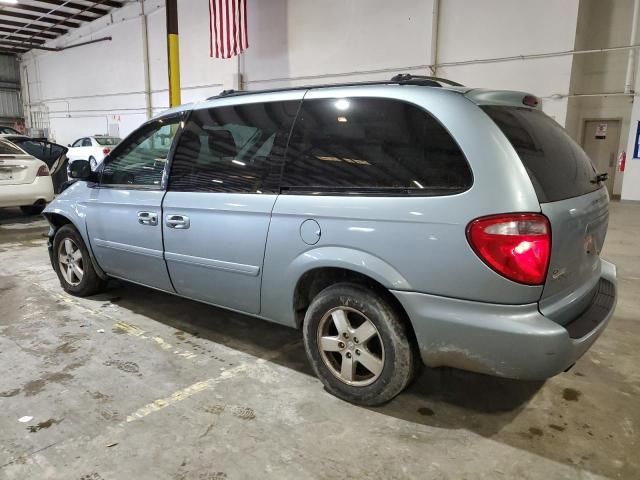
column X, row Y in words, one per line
column 10, row 102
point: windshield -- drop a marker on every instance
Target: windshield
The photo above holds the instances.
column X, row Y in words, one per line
column 558, row 167
column 108, row 140
column 8, row 148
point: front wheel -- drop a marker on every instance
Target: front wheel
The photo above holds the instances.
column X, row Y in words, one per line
column 73, row 264
column 358, row 344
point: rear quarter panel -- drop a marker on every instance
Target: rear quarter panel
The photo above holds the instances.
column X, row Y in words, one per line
column 405, row 243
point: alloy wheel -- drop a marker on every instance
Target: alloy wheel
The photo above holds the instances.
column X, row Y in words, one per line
column 70, row 262
column 350, row 346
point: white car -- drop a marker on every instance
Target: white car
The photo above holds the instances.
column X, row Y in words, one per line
column 93, row 149
column 25, row 181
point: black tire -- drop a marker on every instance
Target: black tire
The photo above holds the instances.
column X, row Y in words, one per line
column 398, row 357
column 90, row 283
column 32, row 209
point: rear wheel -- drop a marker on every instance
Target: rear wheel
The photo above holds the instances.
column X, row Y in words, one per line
column 33, row 209
column 73, row 264
column 358, row 345
column 93, row 163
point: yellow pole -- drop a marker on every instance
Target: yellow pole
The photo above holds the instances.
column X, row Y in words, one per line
column 173, row 53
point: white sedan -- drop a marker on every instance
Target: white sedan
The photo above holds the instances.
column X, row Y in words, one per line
column 25, row 181
column 93, row 149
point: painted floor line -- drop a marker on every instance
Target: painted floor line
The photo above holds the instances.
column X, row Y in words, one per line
column 121, row 325
column 208, row 384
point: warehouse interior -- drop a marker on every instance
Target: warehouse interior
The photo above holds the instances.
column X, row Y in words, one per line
column 136, row 383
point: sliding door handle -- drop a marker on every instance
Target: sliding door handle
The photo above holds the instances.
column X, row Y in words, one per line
column 148, row 218
column 179, row 222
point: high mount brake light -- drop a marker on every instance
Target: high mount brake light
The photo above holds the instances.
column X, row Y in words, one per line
column 517, row 246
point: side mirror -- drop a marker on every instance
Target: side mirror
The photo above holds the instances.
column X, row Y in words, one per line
column 81, row 170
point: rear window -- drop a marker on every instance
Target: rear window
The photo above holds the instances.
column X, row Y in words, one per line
column 7, row 148
column 558, row 167
column 108, row 140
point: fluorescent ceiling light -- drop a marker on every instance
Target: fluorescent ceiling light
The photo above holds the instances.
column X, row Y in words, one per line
column 342, row 104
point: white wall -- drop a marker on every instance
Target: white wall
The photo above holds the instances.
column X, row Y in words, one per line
column 497, row 28
column 601, row 24
column 295, row 42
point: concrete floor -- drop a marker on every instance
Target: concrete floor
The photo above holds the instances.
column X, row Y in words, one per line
column 138, row 384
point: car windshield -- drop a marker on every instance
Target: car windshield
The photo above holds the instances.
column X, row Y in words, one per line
column 8, row 148
column 8, row 131
column 108, row 140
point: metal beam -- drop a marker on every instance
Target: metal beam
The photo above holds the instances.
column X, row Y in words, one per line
column 95, row 3
column 26, row 32
column 13, row 47
column 28, row 46
column 78, row 6
column 39, row 18
column 56, row 13
column 21, row 43
column 60, row 31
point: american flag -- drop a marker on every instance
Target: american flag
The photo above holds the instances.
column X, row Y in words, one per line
column 228, row 27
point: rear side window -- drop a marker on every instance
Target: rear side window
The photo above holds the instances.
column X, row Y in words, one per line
column 558, row 167
column 235, row 149
column 372, row 146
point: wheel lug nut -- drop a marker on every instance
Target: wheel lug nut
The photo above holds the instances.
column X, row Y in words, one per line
column 341, row 345
column 345, row 335
column 357, row 352
column 355, row 339
column 348, row 354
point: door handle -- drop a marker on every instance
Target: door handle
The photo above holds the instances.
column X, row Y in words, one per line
column 179, row 222
column 148, row 218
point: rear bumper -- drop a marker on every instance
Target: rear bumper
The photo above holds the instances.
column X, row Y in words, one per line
column 26, row 194
column 514, row 341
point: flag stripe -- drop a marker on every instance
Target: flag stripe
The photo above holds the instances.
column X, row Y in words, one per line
column 234, row 10
column 227, row 28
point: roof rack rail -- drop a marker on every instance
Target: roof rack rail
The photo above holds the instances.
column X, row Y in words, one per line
column 409, row 78
column 401, row 79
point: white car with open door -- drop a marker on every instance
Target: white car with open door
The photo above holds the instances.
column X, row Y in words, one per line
column 93, row 149
column 25, row 181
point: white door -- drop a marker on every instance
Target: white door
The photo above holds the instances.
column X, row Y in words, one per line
column 600, row 140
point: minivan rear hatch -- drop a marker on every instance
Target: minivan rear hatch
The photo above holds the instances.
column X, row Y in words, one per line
column 575, row 203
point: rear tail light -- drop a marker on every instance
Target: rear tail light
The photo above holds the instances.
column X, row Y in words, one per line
column 43, row 171
column 106, row 151
column 517, row 245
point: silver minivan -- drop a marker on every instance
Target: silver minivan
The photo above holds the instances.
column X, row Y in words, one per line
column 395, row 223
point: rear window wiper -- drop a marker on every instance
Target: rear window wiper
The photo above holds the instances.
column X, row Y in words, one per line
column 600, row 177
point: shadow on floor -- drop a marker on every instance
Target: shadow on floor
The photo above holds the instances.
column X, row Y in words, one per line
column 466, row 395
column 447, row 399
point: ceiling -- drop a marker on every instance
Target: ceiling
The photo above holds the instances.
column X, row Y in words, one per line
column 28, row 23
